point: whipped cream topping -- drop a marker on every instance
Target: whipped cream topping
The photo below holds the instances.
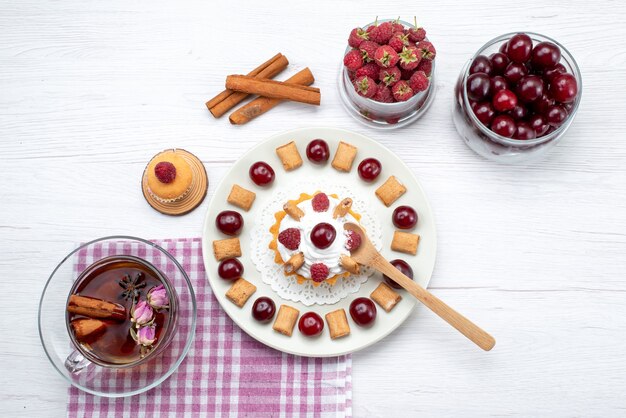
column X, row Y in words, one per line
column 312, row 254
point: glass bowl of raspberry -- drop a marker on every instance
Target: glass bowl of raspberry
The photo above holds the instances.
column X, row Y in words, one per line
column 516, row 97
column 387, row 75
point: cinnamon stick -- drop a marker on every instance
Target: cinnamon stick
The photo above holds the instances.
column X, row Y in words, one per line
column 87, row 329
column 223, row 95
column 274, row 89
column 228, row 99
column 261, row 105
column 95, row 308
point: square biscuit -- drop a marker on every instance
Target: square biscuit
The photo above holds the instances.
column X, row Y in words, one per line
column 240, row 292
column 386, row 297
column 344, row 156
column 337, row 324
column 405, row 242
column 286, row 320
column 226, row 248
column 289, row 156
column 390, row 191
column 241, row 197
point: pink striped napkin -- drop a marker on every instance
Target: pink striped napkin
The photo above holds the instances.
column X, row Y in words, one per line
column 228, row 373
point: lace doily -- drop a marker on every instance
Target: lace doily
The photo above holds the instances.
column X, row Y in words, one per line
column 287, row 287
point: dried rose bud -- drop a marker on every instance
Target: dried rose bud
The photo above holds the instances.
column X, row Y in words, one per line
column 146, row 336
column 142, row 313
column 157, row 297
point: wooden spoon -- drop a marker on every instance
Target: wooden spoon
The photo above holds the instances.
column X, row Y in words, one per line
column 367, row 255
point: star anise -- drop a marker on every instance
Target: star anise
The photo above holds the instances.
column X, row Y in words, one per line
column 131, row 286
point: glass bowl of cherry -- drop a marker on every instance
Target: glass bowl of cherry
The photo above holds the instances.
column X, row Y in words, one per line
column 516, row 97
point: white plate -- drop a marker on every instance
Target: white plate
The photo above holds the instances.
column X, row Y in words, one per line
column 423, row 263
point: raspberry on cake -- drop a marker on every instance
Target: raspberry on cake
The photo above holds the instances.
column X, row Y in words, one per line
column 312, row 244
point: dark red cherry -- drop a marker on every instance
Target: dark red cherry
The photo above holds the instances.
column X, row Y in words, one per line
column 369, row 169
column 542, row 104
column 484, row 112
column 229, row 222
column 519, row 48
column 503, row 48
column 323, row 235
column 504, row 100
column 498, row 83
column 363, row 311
column 404, row 268
column 550, row 73
column 545, row 55
column 519, row 112
column 311, row 324
column 261, row 173
column 529, row 88
column 499, row 61
column 263, row 309
column 539, row 124
column 556, row 115
column 317, row 151
column 478, row 86
column 481, row 64
column 503, row 125
column 230, row 269
column 514, row 72
column 524, row 131
column 404, row 217
column 564, row 88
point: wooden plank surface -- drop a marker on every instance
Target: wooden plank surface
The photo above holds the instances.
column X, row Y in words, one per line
column 536, row 253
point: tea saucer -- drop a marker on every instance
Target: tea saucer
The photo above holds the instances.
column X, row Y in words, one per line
column 108, row 381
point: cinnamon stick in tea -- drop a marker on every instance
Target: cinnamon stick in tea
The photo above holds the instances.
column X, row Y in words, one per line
column 87, row 329
column 95, row 308
column 261, row 105
column 228, row 99
column 274, row 89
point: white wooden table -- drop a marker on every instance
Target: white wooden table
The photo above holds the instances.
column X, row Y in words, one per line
column 536, row 254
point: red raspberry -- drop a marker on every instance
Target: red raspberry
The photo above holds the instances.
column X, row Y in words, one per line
column 165, row 172
column 290, row 238
column 389, row 76
column 320, row 202
column 353, row 60
column 319, row 272
column 419, row 81
column 397, row 26
column 365, row 86
column 370, row 69
column 382, row 33
column 368, row 49
column 416, row 33
column 383, row 94
column 426, row 50
column 353, row 240
column 402, row 91
column 357, row 35
column 398, row 41
column 386, row 57
column 409, row 58
column 426, row 66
